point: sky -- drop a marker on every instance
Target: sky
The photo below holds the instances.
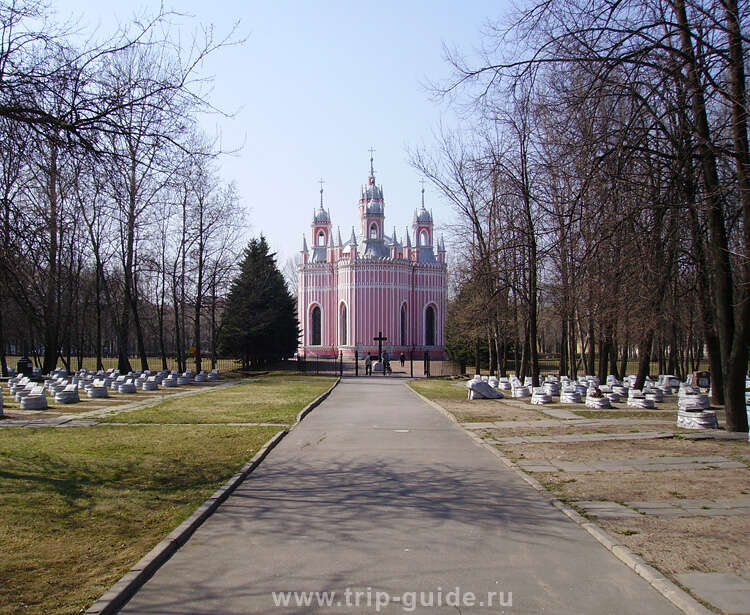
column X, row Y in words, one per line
column 312, row 88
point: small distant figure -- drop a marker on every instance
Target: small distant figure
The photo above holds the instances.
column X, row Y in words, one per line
column 402, row 358
column 368, row 365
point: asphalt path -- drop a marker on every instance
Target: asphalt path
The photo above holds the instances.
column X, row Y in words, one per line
column 381, row 504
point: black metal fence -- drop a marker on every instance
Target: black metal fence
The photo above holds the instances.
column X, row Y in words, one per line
column 350, row 367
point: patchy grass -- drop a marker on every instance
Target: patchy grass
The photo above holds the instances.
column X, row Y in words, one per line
column 451, row 394
column 626, row 413
column 78, row 507
column 610, row 450
column 684, row 544
column 269, row 398
column 647, row 486
column 440, row 388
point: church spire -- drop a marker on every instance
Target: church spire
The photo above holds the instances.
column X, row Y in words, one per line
column 372, row 168
column 321, row 182
column 304, row 243
column 338, row 229
column 353, row 240
column 408, row 239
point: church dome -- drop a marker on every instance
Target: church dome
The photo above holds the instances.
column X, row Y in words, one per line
column 423, row 215
column 372, row 197
column 321, row 216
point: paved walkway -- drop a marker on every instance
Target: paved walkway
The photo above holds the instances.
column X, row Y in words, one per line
column 583, row 437
column 645, row 464
column 722, row 507
column 377, row 492
column 542, row 423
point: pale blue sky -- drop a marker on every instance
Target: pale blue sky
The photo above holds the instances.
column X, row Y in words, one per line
column 317, row 84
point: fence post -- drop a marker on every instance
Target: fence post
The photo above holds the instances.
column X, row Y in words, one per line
column 356, row 362
column 341, row 363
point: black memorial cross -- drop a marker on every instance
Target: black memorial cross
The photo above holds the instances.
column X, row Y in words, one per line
column 380, row 339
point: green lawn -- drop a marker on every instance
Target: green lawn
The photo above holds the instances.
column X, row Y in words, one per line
column 78, row 507
column 271, row 398
column 439, row 388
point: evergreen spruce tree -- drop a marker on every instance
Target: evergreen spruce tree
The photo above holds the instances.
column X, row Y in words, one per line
column 260, row 321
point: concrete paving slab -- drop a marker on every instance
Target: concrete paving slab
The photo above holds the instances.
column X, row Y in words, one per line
column 559, row 413
column 729, row 592
column 641, row 504
column 412, row 506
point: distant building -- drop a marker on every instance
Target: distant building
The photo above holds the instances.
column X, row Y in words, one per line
column 350, row 291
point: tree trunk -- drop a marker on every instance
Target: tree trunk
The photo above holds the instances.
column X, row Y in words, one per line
column 644, row 358
column 591, row 354
column 603, row 358
column 178, row 339
column 213, row 320
column 477, row 365
column 198, row 306
column 98, row 310
column 51, row 337
column 734, row 385
column 721, row 268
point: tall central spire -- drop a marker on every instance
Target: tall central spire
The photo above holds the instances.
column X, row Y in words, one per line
column 372, row 168
column 321, row 182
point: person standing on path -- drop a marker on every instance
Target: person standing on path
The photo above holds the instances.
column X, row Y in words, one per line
column 368, row 365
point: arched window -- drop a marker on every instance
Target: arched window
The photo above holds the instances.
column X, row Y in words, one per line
column 373, row 231
column 321, row 238
column 429, row 326
column 315, row 325
column 424, row 238
column 343, row 324
column 403, row 324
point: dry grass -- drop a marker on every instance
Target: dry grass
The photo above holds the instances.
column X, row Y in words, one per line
column 683, row 544
column 566, row 429
column 624, row 449
column 451, row 394
column 648, row 486
column 78, row 507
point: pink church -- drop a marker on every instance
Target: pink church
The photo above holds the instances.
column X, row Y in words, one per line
column 350, row 291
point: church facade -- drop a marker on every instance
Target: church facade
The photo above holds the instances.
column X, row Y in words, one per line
column 350, row 291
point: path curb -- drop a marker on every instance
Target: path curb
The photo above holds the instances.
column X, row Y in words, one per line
column 671, row 591
column 118, row 595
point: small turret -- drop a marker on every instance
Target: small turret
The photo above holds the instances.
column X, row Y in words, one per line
column 353, row 246
column 321, row 231
column 395, row 246
column 304, row 250
column 422, row 226
column 441, row 250
column 331, row 249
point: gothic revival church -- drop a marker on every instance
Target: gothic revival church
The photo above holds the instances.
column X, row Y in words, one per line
column 349, row 291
